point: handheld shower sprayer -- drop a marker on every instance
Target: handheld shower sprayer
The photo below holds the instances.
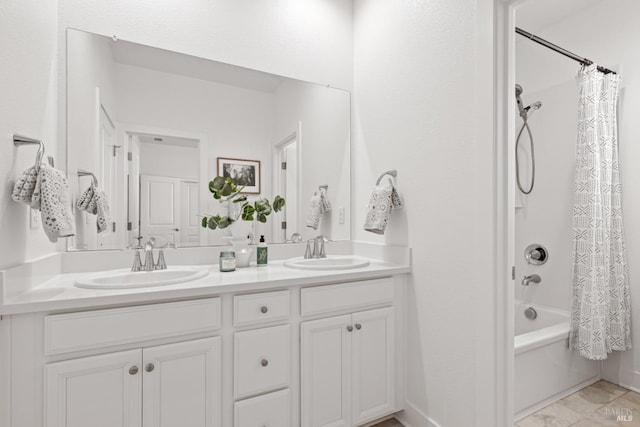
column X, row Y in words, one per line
column 525, row 114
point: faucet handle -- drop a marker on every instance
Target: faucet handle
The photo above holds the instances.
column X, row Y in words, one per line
column 137, row 263
column 160, row 263
column 322, row 253
column 307, row 252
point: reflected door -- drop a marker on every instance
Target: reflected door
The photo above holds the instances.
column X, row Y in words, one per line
column 190, row 226
column 160, row 208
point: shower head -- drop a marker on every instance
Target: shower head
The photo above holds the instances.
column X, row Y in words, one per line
column 519, row 100
column 530, row 109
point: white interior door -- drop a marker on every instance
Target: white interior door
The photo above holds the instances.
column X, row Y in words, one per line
column 110, row 176
column 99, row 391
column 326, row 372
column 190, row 222
column 160, row 208
column 182, row 384
column 286, row 184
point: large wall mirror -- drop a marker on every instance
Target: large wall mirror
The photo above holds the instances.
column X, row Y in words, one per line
column 153, row 127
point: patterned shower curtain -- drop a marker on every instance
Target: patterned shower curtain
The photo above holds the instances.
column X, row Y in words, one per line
column 601, row 305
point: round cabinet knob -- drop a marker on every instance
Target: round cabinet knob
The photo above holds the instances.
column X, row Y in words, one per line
column 264, row 309
column 175, row 229
column 133, row 370
column 349, row 328
column 264, row 362
column 150, row 367
column 358, row 326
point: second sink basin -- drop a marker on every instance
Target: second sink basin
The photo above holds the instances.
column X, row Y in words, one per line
column 126, row 279
column 335, row 262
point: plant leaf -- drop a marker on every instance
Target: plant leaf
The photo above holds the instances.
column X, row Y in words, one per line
column 278, row 203
column 262, row 217
column 247, row 212
column 205, row 220
column 240, row 199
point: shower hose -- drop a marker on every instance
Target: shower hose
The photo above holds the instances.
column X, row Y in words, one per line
column 533, row 158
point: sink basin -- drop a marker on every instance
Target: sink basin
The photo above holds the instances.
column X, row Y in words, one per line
column 126, row 279
column 335, row 262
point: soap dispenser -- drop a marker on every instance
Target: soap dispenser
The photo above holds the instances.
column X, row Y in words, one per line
column 262, row 253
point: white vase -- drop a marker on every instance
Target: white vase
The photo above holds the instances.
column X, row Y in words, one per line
column 242, row 248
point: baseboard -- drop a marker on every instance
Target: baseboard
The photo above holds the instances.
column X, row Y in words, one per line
column 634, row 384
column 533, row 408
column 412, row 416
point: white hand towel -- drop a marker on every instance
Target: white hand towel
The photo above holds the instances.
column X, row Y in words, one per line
column 383, row 199
column 52, row 189
column 95, row 202
column 325, row 206
column 24, row 187
column 315, row 210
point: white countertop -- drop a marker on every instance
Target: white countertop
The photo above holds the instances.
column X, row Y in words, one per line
column 60, row 293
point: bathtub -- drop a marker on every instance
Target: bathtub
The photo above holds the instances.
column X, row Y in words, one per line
column 545, row 370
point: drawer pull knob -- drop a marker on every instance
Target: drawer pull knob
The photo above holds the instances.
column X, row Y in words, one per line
column 264, row 309
column 349, row 328
column 133, row 370
column 358, row 326
column 264, row 362
column 150, row 367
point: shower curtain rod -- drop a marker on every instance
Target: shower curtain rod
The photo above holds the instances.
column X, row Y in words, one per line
column 561, row 51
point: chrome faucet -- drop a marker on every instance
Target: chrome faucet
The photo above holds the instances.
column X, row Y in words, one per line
column 534, row 278
column 148, row 255
column 318, row 248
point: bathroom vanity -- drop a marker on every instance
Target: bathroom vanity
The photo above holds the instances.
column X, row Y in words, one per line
column 257, row 347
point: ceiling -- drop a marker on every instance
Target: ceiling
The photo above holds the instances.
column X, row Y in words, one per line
column 536, row 15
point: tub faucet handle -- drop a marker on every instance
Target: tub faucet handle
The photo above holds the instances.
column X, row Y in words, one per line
column 533, row 278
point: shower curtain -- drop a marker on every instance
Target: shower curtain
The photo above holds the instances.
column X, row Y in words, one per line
column 601, row 305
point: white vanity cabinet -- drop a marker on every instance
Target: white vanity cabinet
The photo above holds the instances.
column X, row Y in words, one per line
column 313, row 354
column 348, row 363
column 173, row 384
column 178, row 383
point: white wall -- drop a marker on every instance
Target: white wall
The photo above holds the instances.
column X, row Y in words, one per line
column 551, row 78
column 416, row 77
column 323, row 114
column 169, row 160
column 28, row 88
column 92, row 73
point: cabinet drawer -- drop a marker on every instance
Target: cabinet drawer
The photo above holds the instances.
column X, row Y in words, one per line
column 346, row 296
column 254, row 309
column 272, row 410
column 65, row 333
column 262, row 360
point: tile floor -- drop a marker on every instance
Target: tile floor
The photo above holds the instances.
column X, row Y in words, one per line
column 600, row 405
column 389, row 423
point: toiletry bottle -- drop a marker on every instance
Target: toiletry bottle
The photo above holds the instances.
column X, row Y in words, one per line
column 261, row 253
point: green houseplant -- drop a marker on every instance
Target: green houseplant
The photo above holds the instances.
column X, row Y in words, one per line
column 226, row 190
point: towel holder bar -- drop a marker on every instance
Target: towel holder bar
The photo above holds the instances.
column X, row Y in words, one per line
column 392, row 172
column 20, row 140
column 82, row 172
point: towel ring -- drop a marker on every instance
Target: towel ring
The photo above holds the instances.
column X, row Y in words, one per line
column 392, row 172
column 82, row 172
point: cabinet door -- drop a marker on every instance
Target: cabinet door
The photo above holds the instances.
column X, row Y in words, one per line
column 373, row 365
column 182, row 384
column 326, row 376
column 99, row 391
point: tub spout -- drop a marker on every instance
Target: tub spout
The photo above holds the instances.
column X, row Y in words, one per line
column 534, row 278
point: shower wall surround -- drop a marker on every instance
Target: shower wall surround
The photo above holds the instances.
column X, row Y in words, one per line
column 546, row 214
